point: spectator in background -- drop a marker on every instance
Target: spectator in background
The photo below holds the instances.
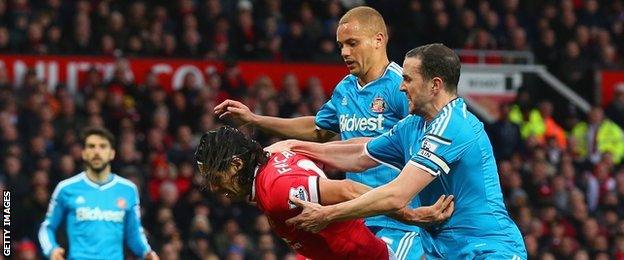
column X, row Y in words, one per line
column 505, row 135
column 615, row 110
column 552, row 129
column 598, row 136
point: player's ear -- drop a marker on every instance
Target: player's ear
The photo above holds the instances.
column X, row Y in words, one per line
column 438, row 84
column 380, row 38
column 237, row 164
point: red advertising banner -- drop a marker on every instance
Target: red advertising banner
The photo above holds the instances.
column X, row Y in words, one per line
column 609, row 81
column 71, row 70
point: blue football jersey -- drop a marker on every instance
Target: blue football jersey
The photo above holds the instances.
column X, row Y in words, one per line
column 368, row 111
column 99, row 218
column 455, row 148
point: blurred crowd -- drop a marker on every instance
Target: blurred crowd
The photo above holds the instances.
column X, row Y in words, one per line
column 563, row 179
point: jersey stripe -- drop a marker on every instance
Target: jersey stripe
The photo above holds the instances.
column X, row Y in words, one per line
column 438, row 139
column 425, row 168
column 438, row 121
column 446, row 122
column 44, row 240
column 313, row 189
column 435, row 159
column 402, row 252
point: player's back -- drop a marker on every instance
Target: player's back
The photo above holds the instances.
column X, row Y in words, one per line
column 289, row 174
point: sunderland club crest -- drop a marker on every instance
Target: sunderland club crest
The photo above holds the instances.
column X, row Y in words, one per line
column 121, row 203
column 378, row 105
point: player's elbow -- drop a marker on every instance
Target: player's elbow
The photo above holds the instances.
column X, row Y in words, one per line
column 350, row 191
column 363, row 163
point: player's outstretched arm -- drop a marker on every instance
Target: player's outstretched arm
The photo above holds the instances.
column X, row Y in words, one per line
column 337, row 191
column 348, row 156
column 302, row 128
column 382, row 200
column 427, row 215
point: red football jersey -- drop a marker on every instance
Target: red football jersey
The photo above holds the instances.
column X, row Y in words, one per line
column 290, row 174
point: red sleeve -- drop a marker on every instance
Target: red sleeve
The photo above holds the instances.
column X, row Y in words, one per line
column 303, row 186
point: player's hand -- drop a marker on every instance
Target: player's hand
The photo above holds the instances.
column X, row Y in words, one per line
column 280, row 146
column 428, row 215
column 236, row 111
column 152, row 256
column 312, row 218
column 58, row 254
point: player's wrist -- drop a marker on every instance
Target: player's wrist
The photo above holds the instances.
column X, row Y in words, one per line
column 331, row 213
column 255, row 120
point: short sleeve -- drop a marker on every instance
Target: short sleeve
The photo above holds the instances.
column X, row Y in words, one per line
column 443, row 144
column 304, row 187
column 327, row 118
column 387, row 149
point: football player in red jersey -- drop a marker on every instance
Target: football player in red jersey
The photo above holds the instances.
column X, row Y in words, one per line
column 232, row 164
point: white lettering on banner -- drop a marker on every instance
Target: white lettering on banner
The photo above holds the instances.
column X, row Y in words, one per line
column 180, row 74
column 161, row 68
column 488, row 83
column 19, row 69
column 354, row 123
column 96, row 214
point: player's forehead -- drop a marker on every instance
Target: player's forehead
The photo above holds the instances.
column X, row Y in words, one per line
column 96, row 140
column 352, row 29
column 411, row 66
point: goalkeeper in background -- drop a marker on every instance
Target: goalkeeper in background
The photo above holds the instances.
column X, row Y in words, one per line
column 101, row 209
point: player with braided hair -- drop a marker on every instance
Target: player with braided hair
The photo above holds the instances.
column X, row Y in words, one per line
column 232, row 164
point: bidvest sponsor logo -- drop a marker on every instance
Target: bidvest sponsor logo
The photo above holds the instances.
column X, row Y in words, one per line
column 96, row 214
column 354, row 123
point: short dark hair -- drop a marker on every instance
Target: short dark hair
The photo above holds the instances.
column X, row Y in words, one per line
column 438, row 60
column 99, row 131
column 217, row 149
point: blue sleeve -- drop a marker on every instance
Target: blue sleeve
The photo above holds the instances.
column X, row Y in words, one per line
column 327, row 118
column 134, row 233
column 53, row 218
column 442, row 145
column 387, row 149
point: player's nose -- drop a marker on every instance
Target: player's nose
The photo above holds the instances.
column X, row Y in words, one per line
column 345, row 52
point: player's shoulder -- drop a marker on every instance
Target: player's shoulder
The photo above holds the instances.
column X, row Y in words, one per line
column 391, row 80
column 125, row 183
column 394, row 71
column 454, row 121
column 409, row 120
column 69, row 183
column 347, row 83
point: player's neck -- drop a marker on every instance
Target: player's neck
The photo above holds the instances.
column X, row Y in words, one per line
column 375, row 72
column 99, row 177
column 437, row 105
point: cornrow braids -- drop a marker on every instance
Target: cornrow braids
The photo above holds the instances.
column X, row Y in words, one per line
column 217, row 149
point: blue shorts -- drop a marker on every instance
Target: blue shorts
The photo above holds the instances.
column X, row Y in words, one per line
column 405, row 244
